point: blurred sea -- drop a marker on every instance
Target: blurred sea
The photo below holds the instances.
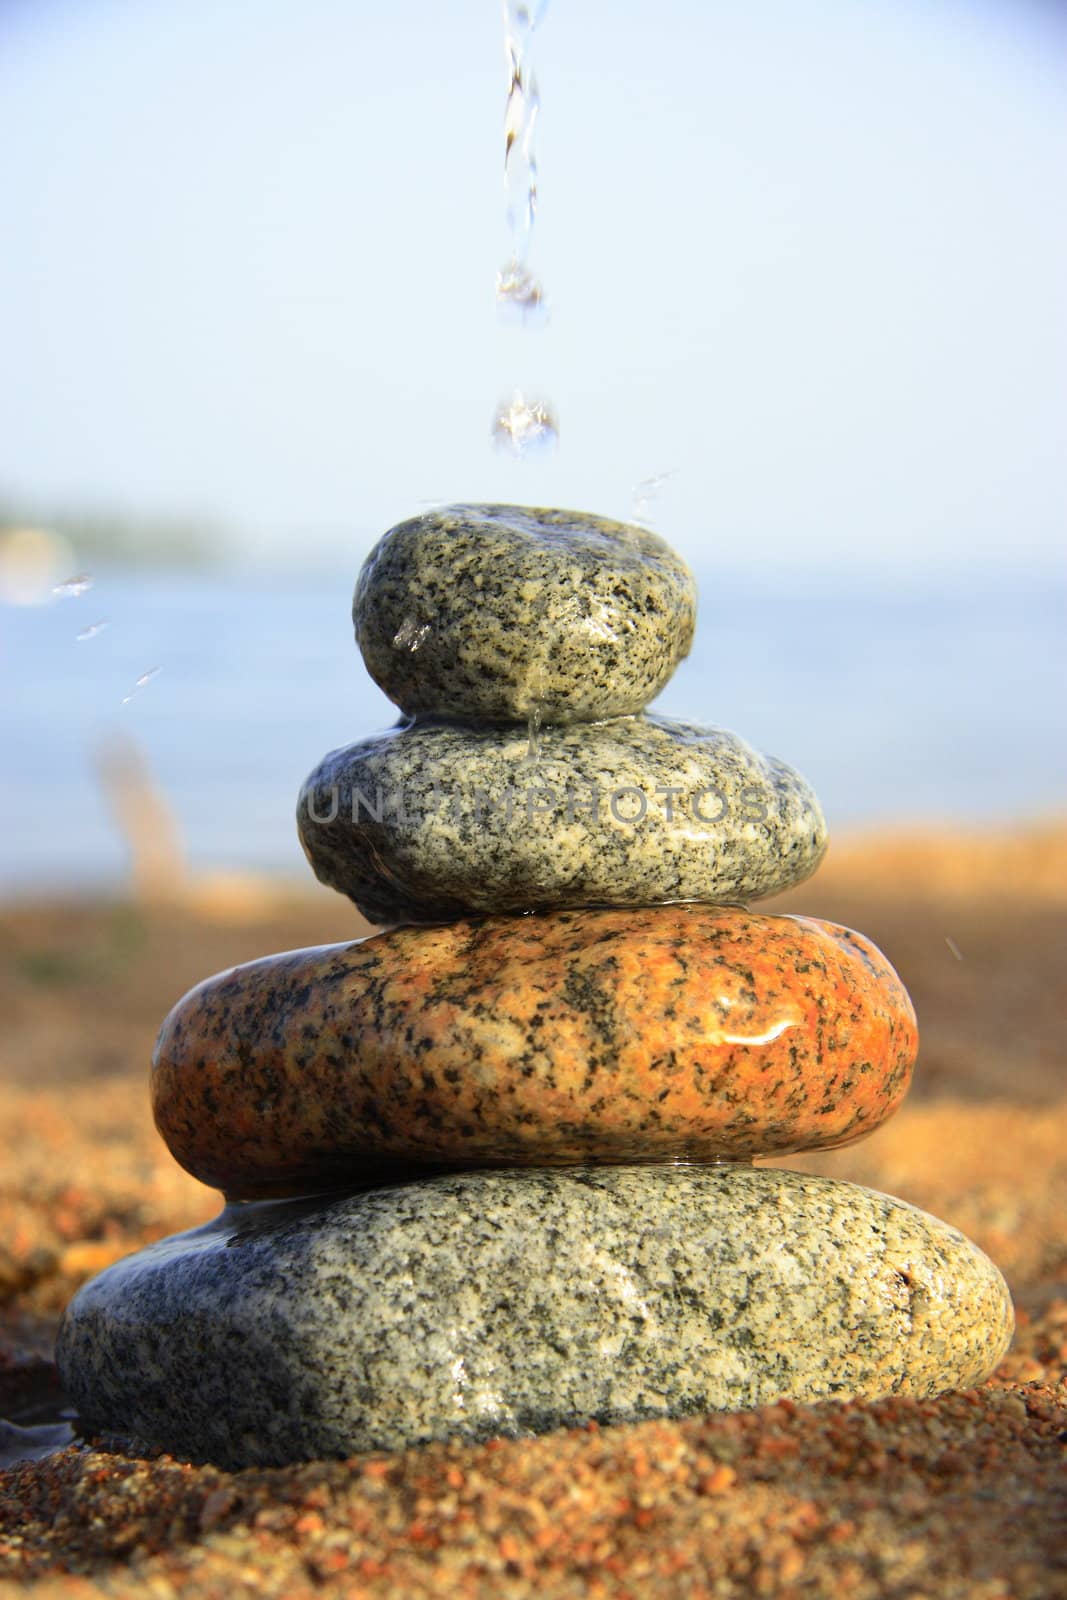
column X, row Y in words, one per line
column 945, row 703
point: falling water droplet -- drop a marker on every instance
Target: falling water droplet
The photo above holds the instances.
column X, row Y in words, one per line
column 954, row 947
column 143, row 680
column 92, row 631
column 519, row 296
column 411, row 635
column 524, row 426
column 71, row 588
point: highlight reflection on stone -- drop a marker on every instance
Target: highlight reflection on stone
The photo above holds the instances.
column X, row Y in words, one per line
column 682, row 1031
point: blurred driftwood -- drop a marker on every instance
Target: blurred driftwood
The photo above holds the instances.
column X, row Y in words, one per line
column 144, row 818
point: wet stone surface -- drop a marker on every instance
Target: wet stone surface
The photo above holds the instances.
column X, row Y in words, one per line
column 498, row 612
column 438, row 820
column 684, row 1031
column 514, row 1303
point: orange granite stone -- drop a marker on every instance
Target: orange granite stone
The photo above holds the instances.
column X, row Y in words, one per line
column 682, row 1032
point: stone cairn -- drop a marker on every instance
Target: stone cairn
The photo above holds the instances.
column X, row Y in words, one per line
column 489, row 1171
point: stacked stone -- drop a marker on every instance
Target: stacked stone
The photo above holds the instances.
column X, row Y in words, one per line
column 489, row 1171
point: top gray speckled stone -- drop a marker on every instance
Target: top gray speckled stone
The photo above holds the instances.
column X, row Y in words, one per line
column 498, row 612
column 442, row 820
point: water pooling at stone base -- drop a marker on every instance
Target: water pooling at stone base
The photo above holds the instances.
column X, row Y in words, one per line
column 552, row 1069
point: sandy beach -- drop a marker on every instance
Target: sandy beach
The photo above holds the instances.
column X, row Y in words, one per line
column 962, row 1496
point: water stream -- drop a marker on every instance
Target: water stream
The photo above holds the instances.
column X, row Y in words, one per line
column 522, row 424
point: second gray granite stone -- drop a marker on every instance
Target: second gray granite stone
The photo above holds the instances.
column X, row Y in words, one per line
column 508, row 1303
column 440, row 820
column 499, row 611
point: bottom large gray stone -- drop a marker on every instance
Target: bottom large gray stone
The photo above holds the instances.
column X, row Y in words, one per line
column 509, row 1303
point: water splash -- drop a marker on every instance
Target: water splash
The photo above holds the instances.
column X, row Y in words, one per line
column 142, row 682
column 645, row 494
column 92, row 631
column 525, row 426
column 72, row 588
column 411, row 635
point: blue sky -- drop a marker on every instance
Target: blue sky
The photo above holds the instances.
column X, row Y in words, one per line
column 808, row 256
